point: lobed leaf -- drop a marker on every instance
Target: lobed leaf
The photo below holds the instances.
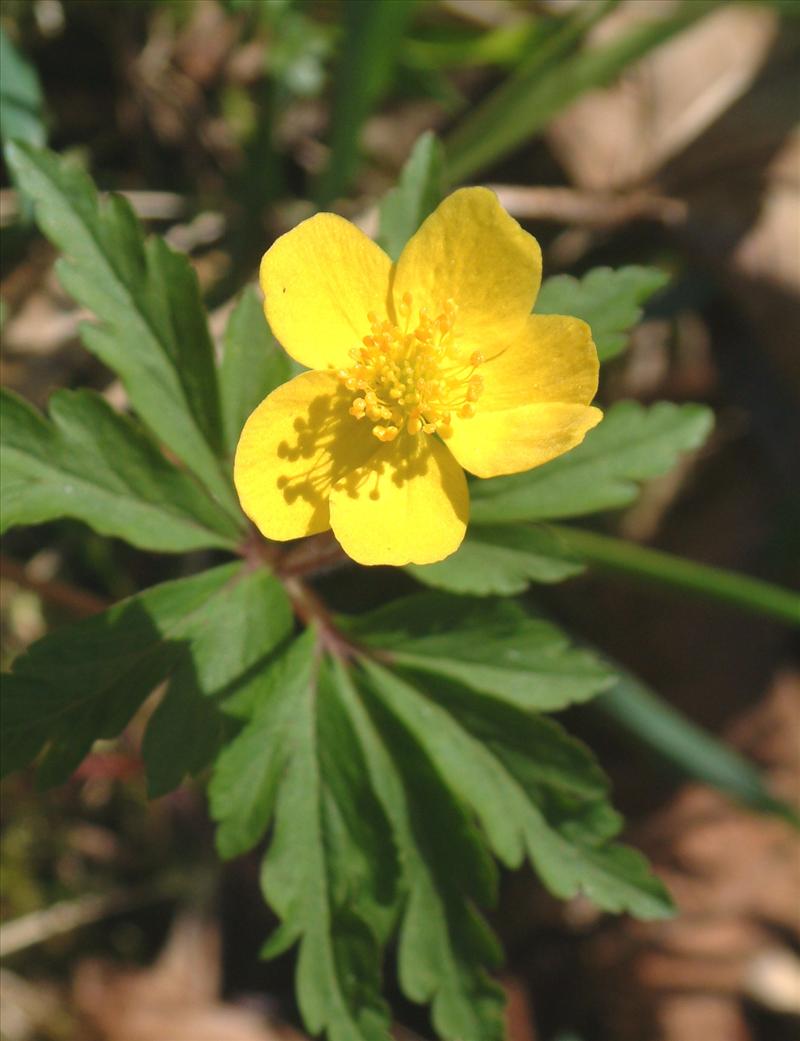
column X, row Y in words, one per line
column 419, row 191
column 608, row 299
column 491, row 647
column 253, row 364
column 152, row 330
column 632, row 443
column 91, row 463
column 222, row 674
column 500, row 560
column 548, row 805
column 329, row 872
column 84, row 682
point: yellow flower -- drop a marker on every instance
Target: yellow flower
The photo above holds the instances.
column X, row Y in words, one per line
column 421, row 368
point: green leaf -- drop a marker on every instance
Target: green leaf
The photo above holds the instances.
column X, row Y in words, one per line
column 93, row 464
column 500, row 560
column 152, row 330
column 329, row 872
column 419, row 191
column 550, row 79
column 491, row 647
column 632, row 444
column 84, row 682
column 373, row 34
column 536, row 792
column 253, row 364
column 228, row 661
column 21, row 101
column 652, row 722
column 445, row 946
column 609, row 300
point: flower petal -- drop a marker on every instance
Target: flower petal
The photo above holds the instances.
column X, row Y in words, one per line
column 553, row 359
column 471, row 251
column 408, row 505
column 320, row 279
column 296, row 443
column 516, row 439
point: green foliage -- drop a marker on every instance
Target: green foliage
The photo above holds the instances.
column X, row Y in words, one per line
column 492, row 648
column 21, row 102
column 91, row 463
column 253, row 364
column 609, row 300
column 153, row 330
column 632, row 444
column 419, row 191
column 329, row 873
column 502, row 553
column 391, row 758
column 84, row 683
column 500, row 560
column 373, row 34
column 345, row 760
column 550, row 78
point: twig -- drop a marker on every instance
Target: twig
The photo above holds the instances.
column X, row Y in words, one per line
column 592, row 209
column 60, row 594
column 67, row 915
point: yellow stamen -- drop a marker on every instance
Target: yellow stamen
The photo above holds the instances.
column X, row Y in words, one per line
column 415, row 378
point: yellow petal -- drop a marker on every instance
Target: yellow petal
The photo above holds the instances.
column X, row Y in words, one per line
column 470, row 250
column 296, row 443
column 320, row 280
column 553, row 359
column 408, row 505
column 517, row 439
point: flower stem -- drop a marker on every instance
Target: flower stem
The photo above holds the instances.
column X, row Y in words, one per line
column 653, row 565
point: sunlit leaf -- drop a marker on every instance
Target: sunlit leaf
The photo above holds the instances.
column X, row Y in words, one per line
column 500, row 560
column 631, row 444
column 419, row 191
column 608, row 299
column 152, row 329
column 93, row 464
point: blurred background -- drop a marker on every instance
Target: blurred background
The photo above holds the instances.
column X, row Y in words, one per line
column 658, row 132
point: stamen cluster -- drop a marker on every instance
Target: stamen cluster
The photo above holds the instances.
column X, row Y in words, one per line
column 412, row 379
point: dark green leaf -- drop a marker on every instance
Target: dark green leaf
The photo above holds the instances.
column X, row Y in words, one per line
column 548, row 81
column 609, row 300
column 491, row 647
column 631, row 444
column 419, row 191
column 548, row 806
column 228, row 662
column 84, row 682
column 21, row 102
column 253, row 364
column 329, row 873
column 500, row 560
column 91, row 463
column 153, row 330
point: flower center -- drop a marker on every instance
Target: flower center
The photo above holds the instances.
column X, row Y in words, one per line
column 412, row 379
